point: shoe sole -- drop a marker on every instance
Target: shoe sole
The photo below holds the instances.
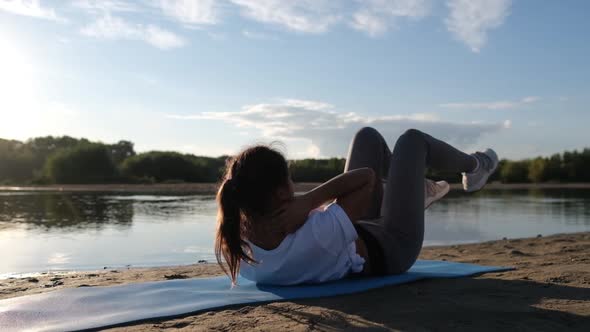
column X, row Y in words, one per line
column 443, row 194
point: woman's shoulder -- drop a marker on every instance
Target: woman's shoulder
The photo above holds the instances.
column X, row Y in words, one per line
column 332, row 211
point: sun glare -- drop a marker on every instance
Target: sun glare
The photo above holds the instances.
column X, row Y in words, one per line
column 17, row 91
column 15, row 72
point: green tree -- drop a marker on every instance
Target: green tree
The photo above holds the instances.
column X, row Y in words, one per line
column 584, row 166
column 121, row 151
column 514, row 171
column 64, row 159
column 553, row 171
column 43, row 147
column 16, row 162
column 315, row 170
column 164, row 166
column 538, row 170
column 85, row 163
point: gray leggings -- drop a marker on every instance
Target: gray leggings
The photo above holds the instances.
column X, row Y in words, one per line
column 400, row 231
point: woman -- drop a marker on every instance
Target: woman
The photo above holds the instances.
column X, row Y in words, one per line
column 269, row 235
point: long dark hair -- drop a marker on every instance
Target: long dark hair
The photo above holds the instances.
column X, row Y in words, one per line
column 251, row 179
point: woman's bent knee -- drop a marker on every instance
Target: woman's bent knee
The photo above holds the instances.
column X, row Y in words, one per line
column 411, row 137
column 413, row 134
column 367, row 132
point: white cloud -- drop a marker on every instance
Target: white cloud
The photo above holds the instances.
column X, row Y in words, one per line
column 191, row 12
column 529, row 99
column 308, row 16
column 375, row 17
column 204, row 150
column 372, row 24
column 110, row 27
column 187, row 12
column 318, row 16
column 161, row 38
column 30, row 8
column 98, row 6
column 493, row 105
column 257, row 35
column 470, row 20
column 326, row 132
column 115, row 28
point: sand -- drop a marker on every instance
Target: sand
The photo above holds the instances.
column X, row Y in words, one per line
column 548, row 291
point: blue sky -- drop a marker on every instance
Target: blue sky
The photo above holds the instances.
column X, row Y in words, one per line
column 211, row 76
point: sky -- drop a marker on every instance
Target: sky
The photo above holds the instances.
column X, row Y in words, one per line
column 210, row 77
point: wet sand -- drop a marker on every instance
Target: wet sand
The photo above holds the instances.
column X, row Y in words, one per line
column 548, row 291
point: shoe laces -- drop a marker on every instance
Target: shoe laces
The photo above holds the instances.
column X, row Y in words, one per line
column 485, row 161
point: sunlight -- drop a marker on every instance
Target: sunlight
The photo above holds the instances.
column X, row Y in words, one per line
column 16, row 73
column 17, row 88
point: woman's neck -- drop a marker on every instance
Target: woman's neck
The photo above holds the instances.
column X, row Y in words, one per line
column 265, row 234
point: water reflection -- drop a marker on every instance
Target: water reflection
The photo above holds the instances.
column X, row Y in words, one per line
column 54, row 231
column 74, row 212
column 45, row 231
column 571, row 204
column 494, row 214
column 79, row 212
column 162, row 208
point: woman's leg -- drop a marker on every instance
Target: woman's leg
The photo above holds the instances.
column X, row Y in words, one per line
column 369, row 149
column 404, row 195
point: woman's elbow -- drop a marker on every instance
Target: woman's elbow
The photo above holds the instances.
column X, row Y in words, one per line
column 370, row 176
column 368, row 192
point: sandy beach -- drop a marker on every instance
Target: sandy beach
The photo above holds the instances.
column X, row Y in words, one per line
column 548, row 291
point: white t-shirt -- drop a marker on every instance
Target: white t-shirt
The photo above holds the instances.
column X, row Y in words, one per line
column 322, row 249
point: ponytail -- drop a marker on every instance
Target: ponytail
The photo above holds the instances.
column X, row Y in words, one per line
column 228, row 240
column 249, row 184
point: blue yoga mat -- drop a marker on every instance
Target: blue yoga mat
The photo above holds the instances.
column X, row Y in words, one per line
column 93, row 307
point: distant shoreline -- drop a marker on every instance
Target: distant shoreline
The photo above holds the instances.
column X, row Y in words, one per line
column 211, row 188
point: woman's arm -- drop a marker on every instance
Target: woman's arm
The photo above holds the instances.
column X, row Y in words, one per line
column 357, row 203
column 352, row 191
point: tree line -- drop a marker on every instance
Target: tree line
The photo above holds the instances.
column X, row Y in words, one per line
column 68, row 160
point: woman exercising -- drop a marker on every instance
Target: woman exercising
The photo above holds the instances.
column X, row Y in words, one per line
column 269, row 235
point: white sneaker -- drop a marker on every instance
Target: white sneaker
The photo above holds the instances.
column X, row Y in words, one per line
column 488, row 162
column 433, row 191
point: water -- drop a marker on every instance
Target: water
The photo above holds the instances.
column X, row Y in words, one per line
column 66, row 231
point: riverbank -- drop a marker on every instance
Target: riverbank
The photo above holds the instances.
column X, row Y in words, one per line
column 210, row 188
column 548, row 291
